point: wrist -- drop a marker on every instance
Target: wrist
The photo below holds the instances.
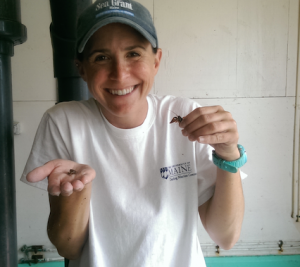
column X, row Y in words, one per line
column 234, row 155
column 231, row 165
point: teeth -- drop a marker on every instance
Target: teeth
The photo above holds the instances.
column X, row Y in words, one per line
column 122, row 92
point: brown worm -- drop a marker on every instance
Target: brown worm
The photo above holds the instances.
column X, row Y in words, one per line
column 71, row 172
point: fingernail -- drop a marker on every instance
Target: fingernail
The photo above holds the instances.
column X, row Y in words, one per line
column 53, row 192
column 184, row 132
column 182, row 123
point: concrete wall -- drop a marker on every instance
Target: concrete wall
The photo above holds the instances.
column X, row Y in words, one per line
column 240, row 54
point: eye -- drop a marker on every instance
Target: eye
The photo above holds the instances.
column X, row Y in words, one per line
column 100, row 58
column 133, row 54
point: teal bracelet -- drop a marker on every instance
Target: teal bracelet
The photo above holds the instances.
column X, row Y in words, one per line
column 231, row 166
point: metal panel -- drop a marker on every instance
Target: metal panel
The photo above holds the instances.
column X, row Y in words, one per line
column 218, row 48
column 266, row 131
column 262, row 47
column 292, row 48
column 149, row 4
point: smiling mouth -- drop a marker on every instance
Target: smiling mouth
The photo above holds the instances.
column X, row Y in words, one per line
column 125, row 91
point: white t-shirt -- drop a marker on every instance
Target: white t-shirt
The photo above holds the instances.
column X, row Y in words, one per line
column 150, row 181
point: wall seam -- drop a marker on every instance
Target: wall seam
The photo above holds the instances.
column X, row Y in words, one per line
column 287, row 51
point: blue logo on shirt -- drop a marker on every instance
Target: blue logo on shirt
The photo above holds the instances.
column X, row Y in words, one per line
column 164, row 173
column 176, row 172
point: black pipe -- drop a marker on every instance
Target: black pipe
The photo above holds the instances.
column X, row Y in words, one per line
column 64, row 14
column 12, row 32
column 8, row 236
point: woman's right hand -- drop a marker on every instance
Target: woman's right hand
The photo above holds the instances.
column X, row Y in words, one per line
column 62, row 180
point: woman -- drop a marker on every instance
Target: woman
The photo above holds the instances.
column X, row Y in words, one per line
column 125, row 185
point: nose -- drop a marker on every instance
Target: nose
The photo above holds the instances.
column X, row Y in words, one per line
column 119, row 70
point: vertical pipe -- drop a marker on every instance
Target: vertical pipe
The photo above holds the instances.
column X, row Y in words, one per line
column 64, row 14
column 10, row 10
column 8, row 230
column 12, row 32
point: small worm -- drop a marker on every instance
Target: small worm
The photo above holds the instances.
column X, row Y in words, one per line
column 71, row 172
column 176, row 119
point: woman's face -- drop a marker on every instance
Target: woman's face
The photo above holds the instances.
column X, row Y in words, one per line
column 119, row 67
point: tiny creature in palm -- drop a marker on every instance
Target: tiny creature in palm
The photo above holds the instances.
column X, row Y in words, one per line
column 71, row 172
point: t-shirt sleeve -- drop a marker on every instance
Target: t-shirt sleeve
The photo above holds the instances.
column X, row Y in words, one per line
column 48, row 145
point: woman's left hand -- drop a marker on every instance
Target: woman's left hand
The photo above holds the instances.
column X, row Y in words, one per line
column 214, row 126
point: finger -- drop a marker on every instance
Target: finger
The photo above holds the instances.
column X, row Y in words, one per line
column 62, row 183
column 77, row 185
column 213, row 128
column 54, row 190
column 205, row 120
column 54, row 184
column 86, row 175
column 199, row 112
column 218, row 138
column 40, row 173
column 66, row 189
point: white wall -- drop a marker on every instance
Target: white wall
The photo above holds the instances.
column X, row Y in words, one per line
column 240, row 54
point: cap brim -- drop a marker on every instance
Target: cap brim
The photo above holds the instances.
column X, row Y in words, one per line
column 109, row 20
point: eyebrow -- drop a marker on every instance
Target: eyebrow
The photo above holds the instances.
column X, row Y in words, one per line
column 97, row 51
column 107, row 50
column 134, row 46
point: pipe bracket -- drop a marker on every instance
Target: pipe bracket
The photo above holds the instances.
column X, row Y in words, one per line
column 13, row 31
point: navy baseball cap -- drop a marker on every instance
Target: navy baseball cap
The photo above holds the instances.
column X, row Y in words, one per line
column 103, row 12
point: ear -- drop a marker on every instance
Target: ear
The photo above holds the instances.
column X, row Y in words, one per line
column 158, row 57
column 80, row 68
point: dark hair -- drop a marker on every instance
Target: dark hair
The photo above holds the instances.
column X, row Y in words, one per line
column 79, row 56
column 154, row 50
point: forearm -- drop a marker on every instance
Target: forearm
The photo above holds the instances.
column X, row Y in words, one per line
column 225, row 211
column 68, row 222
